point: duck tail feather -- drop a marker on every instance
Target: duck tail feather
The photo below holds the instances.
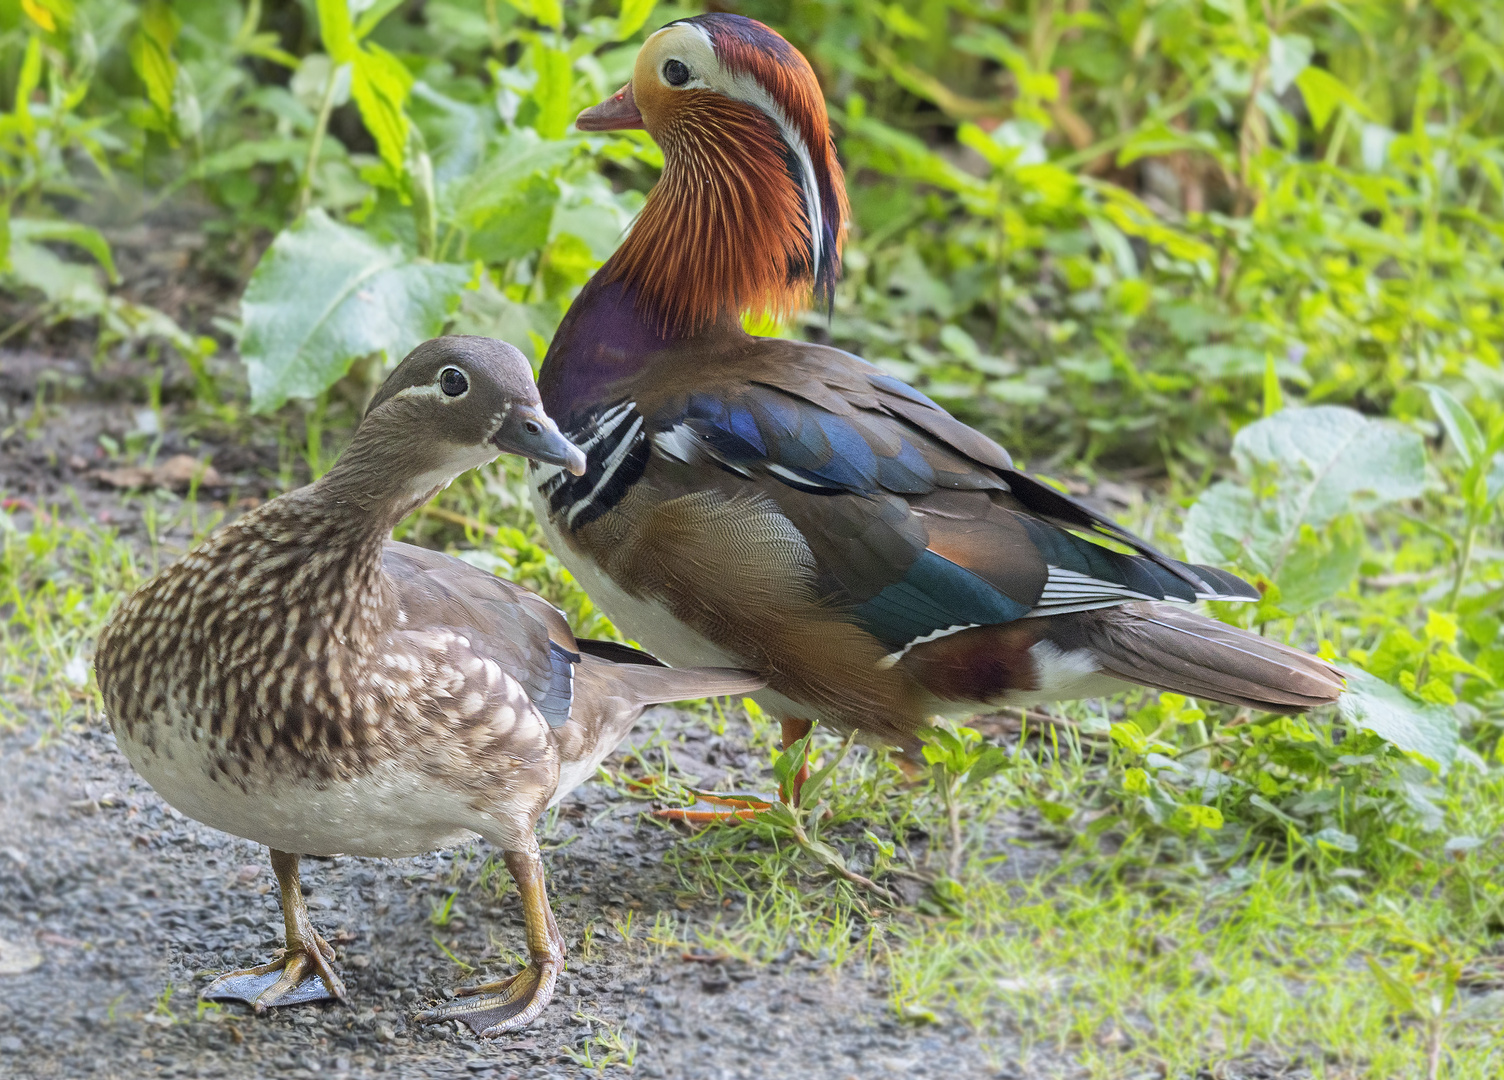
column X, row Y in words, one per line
column 1168, row 648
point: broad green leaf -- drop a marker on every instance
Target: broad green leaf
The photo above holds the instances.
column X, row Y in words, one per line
column 633, row 14
column 371, row 16
column 1427, row 731
column 487, row 312
column 497, row 184
column 1462, row 429
column 68, row 232
column 991, row 761
column 73, row 287
column 325, row 294
column 244, row 155
column 1336, row 839
column 1307, row 467
column 1319, row 564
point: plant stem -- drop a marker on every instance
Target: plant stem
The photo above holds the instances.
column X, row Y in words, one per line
column 315, row 430
column 1464, row 560
column 953, row 815
column 316, row 141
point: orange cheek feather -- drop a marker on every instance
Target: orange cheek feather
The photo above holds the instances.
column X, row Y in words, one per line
column 724, row 231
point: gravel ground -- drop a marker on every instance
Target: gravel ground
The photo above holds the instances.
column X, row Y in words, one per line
column 124, row 898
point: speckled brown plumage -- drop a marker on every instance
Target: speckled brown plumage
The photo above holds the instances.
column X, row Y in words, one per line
column 300, row 680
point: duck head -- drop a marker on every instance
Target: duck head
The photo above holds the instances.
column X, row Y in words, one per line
column 453, row 404
column 750, row 212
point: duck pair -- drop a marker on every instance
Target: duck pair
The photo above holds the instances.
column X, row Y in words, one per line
column 766, row 515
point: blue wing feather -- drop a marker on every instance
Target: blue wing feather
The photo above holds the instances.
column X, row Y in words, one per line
column 935, row 594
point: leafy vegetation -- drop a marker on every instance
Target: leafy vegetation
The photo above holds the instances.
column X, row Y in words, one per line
column 1253, row 250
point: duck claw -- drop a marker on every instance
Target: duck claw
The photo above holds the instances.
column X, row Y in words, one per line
column 494, row 1008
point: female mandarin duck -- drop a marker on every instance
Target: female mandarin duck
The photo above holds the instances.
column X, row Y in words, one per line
column 301, row 681
column 789, row 508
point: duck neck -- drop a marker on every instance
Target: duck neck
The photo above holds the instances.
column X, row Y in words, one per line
column 380, row 479
column 726, row 230
column 608, row 336
column 327, row 538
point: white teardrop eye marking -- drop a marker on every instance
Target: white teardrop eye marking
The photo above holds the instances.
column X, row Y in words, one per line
column 533, row 427
column 675, row 73
column 453, row 382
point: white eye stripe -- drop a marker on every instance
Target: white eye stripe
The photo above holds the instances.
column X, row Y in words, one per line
column 696, row 51
column 426, row 390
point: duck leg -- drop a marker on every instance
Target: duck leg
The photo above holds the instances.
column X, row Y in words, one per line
column 795, row 729
column 302, row 972
column 493, row 1008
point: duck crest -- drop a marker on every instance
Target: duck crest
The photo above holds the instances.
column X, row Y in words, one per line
column 750, row 212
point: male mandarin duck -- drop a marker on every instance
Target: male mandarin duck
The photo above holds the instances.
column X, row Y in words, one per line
column 791, row 509
column 300, row 680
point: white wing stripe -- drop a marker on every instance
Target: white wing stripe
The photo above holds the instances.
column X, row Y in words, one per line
column 612, row 463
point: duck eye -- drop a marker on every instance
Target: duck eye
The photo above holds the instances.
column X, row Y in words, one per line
column 453, row 382
column 675, row 73
column 533, row 427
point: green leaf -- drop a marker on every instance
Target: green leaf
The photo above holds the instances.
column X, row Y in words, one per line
column 547, row 12
column 26, row 83
column 151, row 54
column 1320, row 564
column 1323, row 92
column 337, row 31
column 325, row 294
column 1274, row 400
column 633, row 14
column 1427, row 731
column 1190, row 816
column 787, row 764
column 1289, row 56
column 380, row 84
column 74, row 287
column 992, row 760
column 817, row 779
column 68, row 232
column 1305, row 468
column 1462, row 429
column 498, row 183
column 371, row 16
column 551, row 92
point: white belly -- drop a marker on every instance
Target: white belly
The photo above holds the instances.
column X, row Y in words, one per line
column 392, row 810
